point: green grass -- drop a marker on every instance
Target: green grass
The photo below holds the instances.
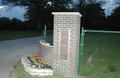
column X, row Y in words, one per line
column 17, row 35
column 108, row 64
column 20, row 73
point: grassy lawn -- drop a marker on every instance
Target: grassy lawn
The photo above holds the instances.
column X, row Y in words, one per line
column 20, row 73
column 107, row 65
column 17, row 35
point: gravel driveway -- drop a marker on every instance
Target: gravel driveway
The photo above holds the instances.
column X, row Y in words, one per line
column 12, row 50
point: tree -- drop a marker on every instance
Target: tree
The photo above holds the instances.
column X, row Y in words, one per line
column 93, row 14
column 4, row 23
column 114, row 20
column 14, row 23
column 37, row 9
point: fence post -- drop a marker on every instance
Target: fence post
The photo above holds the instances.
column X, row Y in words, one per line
column 44, row 33
column 81, row 49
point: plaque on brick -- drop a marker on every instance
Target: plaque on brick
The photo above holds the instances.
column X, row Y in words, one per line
column 64, row 44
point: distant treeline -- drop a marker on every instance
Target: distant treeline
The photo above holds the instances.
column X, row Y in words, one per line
column 39, row 14
column 15, row 24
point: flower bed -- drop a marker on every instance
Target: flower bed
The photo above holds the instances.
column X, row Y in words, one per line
column 35, row 65
column 37, row 61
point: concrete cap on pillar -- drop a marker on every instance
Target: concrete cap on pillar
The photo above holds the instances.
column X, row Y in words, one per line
column 66, row 13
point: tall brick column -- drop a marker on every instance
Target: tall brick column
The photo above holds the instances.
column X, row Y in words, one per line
column 66, row 43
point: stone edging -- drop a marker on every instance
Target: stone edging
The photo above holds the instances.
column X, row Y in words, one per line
column 35, row 71
column 44, row 43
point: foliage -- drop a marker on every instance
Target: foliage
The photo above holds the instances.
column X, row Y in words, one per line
column 39, row 11
column 38, row 61
column 15, row 24
column 93, row 16
column 114, row 20
column 4, row 23
column 19, row 72
column 39, row 14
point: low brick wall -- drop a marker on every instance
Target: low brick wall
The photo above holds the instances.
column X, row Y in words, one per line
column 46, row 51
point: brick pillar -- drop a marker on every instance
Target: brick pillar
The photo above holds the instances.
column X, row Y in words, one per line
column 66, row 43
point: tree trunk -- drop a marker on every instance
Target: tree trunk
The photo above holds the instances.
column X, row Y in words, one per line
column 39, row 24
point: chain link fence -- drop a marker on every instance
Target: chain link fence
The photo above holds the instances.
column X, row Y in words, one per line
column 49, row 36
column 101, row 54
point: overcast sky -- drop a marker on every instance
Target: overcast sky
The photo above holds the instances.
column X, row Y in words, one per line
column 19, row 11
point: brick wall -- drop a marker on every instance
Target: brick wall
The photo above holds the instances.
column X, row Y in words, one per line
column 46, row 51
column 68, row 21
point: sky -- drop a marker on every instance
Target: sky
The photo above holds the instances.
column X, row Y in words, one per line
column 109, row 6
column 19, row 11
